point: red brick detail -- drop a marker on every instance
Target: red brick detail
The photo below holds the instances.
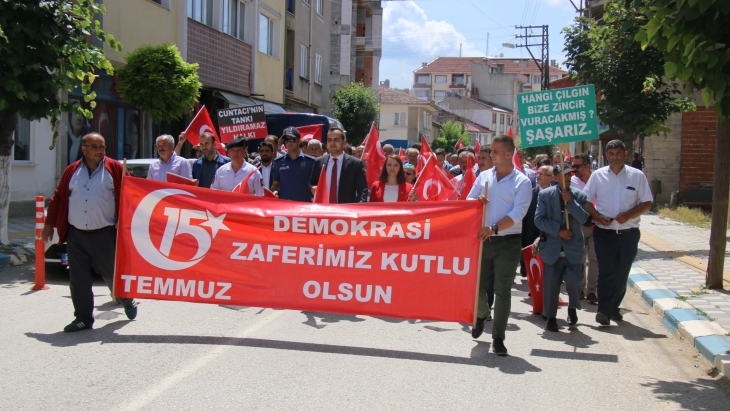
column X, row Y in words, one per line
column 699, row 130
column 360, row 30
column 225, row 61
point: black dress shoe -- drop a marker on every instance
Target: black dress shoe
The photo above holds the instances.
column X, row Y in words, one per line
column 603, row 319
column 498, row 347
column 616, row 315
column 572, row 316
column 552, row 325
column 478, row 329
column 77, row 325
column 592, row 298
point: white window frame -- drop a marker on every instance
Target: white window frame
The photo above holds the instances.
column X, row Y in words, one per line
column 303, row 54
column 427, row 121
column 426, row 76
column 440, row 77
column 400, row 119
column 199, row 11
column 458, row 76
column 536, row 79
column 423, row 91
column 274, row 34
column 319, row 7
column 437, row 92
column 317, row 68
column 18, row 120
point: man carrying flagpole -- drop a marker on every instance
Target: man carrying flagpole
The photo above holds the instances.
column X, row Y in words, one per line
column 507, row 199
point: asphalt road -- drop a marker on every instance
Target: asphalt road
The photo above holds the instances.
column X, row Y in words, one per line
column 182, row 356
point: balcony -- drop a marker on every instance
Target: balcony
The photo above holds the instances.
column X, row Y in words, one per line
column 422, row 85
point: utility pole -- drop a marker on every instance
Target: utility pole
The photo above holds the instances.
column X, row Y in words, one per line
column 531, row 41
column 487, row 54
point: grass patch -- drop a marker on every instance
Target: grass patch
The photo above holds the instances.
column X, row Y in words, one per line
column 692, row 216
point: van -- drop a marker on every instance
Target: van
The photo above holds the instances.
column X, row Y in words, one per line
column 277, row 122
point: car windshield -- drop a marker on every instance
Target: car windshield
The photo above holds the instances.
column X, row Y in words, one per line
column 138, row 170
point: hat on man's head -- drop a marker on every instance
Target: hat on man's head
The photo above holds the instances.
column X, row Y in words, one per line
column 291, row 131
column 564, row 168
column 237, row 142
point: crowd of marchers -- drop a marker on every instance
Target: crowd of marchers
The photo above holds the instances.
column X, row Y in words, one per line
column 583, row 223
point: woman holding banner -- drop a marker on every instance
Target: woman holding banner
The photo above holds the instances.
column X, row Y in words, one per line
column 392, row 185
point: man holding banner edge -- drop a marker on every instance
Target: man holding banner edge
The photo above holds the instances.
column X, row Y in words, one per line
column 507, row 199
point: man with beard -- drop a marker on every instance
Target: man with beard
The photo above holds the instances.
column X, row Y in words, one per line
column 266, row 159
column 205, row 167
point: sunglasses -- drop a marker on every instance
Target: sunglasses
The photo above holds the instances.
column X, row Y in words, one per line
column 290, row 140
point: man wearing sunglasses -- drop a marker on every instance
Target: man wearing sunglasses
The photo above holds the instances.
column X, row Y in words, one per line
column 581, row 174
column 84, row 210
column 291, row 171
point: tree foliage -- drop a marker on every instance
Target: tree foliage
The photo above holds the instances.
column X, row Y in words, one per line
column 157, row 80
column 632, row 93
column 451, row 132
column 693, row 37
column 356, row 107
column 45, row 47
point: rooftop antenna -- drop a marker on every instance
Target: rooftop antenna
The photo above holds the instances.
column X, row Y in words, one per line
column 459, row 49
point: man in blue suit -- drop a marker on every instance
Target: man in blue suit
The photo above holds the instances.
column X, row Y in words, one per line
column 562, row 249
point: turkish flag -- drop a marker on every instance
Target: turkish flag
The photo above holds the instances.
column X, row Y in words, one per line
column 176, row 179
column 402, row 155
column 510, row 133
column 516, row 161
column 311, row 132
column 321, row 195
column 476, row 146
column 201, row 124
column 269, row 194
column 458, row 145
column 425, row 148
column 568, row 157
column 534, row 267
column 374, row 155
column 243, row 187
column 433, row 184
column 468, row 179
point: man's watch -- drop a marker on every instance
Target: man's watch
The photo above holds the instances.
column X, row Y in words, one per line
column 495, row 228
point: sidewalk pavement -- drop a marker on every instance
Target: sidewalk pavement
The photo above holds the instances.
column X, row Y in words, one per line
column 669, row 275
column 21, row 229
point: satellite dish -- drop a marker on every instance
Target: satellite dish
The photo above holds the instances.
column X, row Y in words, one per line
column 501, row 54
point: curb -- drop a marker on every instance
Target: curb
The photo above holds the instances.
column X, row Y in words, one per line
column 680, row 317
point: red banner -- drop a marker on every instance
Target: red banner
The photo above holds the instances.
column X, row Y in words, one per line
column 401, row 260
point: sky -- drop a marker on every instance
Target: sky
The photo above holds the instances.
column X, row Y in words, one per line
column 419, row 31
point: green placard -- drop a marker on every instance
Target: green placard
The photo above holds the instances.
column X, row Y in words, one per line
column 558, row 116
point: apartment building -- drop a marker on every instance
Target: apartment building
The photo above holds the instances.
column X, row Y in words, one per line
column 443, row 76
column 403, row 118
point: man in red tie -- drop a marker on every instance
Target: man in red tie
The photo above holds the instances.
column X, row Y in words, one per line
column 346, row 181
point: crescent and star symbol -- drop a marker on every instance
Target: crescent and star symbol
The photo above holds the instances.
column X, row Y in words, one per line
column 428, row 184
column 141, row 231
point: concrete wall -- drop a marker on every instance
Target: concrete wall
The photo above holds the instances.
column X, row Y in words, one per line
column 270, row 69
column 495, row 88
column 37, row 176
column 389, row 131
column 477, row 113
column 138, row 22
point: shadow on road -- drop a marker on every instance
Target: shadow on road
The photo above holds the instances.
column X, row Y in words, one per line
column 629, row 331
column 480, row 355
column 689, row 395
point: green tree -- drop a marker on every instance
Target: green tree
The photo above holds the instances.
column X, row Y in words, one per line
column 692, row 37
column 44, row 49
column 450, row 133
column 632, row 94
column 157, row 80
column 356, row 107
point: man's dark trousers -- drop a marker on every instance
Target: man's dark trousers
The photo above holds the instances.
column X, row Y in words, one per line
column 615, row 252
column 84, row 249
column 499, row 262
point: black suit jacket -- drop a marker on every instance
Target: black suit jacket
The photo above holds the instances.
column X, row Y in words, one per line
column 353, row 186
column 529, row 230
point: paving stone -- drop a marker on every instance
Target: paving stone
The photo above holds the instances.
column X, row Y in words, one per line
column 698, row 328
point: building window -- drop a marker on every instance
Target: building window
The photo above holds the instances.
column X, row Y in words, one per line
column 318, row 69
column 528, row 78
column 290, row 6
column 233, row 18
column 201, row 11
column 468, row 79
column 303, row 61
column 553, row 78
column 420, row 93
column 439, row 95
column 21, row 148
column 400, row 119
column 163, row 3
column 423, row 78
column 427, row 121
column 319, row 8
column 440, row 79
column 536, row 79
column 266, row 35
column 457, row 79
column 494, row 119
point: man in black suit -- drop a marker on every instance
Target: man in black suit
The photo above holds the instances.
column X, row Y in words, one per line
column 346, row 182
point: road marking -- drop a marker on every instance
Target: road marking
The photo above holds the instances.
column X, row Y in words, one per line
column 172, row 380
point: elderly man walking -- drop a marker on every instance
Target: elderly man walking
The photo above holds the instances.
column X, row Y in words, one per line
column 169, row 162
column 84, row 210
column 562, row 249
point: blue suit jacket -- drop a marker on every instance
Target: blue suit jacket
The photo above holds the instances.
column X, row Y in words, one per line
column 550, row 219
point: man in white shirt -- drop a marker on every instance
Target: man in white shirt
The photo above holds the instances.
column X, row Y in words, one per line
column 507, row 199
column 582, row 173
column 229, row 175
column 622, row 195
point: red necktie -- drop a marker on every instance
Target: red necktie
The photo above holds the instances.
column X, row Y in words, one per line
column 333, row 183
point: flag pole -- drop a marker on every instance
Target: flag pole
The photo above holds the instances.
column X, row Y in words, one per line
column 562, row 175
column 479, row 263
column 116, row 247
